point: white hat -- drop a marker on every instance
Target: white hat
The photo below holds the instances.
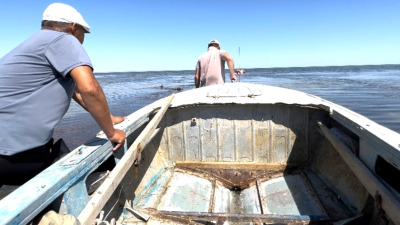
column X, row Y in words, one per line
column 64, row 13
column 214, row 42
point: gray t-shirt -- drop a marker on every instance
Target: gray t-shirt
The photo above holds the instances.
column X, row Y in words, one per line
column 211, row 67
column 36, row 88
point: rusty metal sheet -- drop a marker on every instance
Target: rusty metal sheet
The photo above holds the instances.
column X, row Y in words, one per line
column 237, row 133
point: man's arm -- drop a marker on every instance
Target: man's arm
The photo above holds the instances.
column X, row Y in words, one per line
column 197, row 78
column 78, row 99
column 231, row 65
column 94, row 101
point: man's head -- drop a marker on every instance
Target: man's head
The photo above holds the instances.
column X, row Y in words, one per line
column 214, row 43
column 64, row 18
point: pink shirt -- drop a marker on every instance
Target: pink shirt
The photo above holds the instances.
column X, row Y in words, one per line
column 211, row 67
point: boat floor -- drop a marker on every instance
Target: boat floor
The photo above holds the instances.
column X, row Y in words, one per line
column 238, row 193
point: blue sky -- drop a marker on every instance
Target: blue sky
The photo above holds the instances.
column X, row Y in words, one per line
column 171, row 35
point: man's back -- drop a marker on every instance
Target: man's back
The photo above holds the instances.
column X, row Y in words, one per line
column 37, row 81
column 211, row 67
column 35, row 90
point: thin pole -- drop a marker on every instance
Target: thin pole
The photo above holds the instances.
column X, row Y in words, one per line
column 239, row 65
column 239, row 58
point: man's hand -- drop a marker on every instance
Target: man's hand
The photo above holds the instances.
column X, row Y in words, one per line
column 117, row 119
column 118, row 138
column 197, row 78
column 233, row 78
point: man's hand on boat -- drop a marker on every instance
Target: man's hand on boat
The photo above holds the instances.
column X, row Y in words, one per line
column 118, row 142
column 117, row 119
column 118, row 138
column 233, row 78
column 89, row 94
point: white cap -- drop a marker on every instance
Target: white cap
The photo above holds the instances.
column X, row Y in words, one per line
column 64, row 13
column 214, row 42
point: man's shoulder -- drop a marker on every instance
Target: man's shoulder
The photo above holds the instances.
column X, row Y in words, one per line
column 53, row 36
column 49, row 34
column 204, row 55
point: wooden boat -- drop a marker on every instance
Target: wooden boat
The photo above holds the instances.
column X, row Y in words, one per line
column 228, row 154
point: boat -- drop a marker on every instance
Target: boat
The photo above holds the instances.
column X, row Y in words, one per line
column 241, row 71
column 235, row 153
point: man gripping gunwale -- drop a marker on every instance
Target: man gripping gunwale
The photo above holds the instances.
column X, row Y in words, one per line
column 38, row 78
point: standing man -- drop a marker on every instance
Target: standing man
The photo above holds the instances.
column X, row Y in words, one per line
column 210, row 67
column 38, row 78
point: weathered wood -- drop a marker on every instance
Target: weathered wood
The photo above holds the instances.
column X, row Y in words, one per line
column 374, row 186
column 101, row 196
column 263, row 218
column 239, row 175
column 236, row 165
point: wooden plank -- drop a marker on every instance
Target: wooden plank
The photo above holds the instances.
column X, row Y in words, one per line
column 101, row 196
column 388, row 202
column 263, row 218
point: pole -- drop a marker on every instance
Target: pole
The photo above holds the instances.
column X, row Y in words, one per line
column 239, row 65
column 239, row 58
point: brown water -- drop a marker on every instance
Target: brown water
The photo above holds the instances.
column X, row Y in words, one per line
column 372, row 91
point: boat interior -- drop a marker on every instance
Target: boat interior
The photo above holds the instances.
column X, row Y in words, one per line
column 245, row 164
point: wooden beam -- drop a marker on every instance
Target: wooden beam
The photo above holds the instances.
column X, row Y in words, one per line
column 374, row 186
column 103, row 193
column 263, row 218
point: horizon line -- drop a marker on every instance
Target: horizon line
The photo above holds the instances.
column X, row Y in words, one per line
column 143, row 71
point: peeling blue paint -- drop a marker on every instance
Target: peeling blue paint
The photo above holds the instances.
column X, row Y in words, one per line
column 149, row 184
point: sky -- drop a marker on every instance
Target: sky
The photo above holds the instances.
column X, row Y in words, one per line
column 171, row 35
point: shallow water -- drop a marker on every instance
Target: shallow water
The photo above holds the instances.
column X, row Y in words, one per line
column 372, row 91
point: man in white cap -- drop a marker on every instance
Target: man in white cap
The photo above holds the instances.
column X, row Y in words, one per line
column 210, row 67
column 38, row 78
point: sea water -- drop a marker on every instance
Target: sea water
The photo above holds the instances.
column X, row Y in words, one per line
column 372, row 91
